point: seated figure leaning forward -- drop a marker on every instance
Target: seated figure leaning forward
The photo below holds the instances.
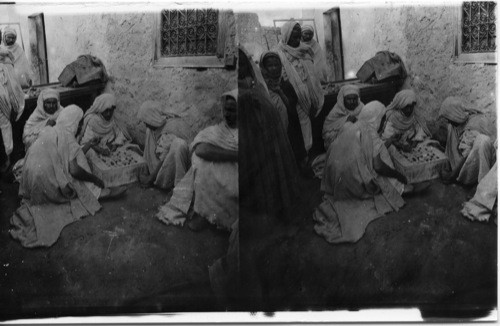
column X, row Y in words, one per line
column 56, row 187
column 402, row 126
column 211, row 183
column 166, row 155
column 469, row 144
column 99, row 122
column 361, row 184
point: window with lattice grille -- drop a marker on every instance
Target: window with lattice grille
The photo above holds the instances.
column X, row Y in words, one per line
column 189, row 32
column 195, row 38
column 476, row 37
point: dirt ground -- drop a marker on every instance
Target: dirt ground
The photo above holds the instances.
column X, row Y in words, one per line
column 122, row 260
column 427, row 255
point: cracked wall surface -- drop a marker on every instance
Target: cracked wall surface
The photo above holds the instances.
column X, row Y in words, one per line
column 124, row 42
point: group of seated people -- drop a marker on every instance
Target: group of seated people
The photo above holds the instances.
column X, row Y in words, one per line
column 359, row 178
column 58, row 186
column 277, row 100
column 362, row 184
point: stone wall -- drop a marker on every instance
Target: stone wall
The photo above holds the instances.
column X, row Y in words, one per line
column 421, row 35
column 249, row 34
column 424, row 37
column 271, row 36
column 124, row 42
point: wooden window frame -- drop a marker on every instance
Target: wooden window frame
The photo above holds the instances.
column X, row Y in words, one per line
column 459, row 56
column 219, row 60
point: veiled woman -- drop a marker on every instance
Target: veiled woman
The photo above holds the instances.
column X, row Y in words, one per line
column 284, row 99
column 298, row 69
column 22, row 71
column 360, row 183
column 166, row 151
column 99, row 122
column 46, row 112
column 346, row 110
column 268, row 172
column 319, row 58
column 57, row 187
column 403, row 123
column 470, row 142
column 11, row 101
column 211, row 184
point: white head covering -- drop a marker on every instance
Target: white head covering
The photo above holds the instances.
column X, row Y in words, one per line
column 9, row 31
column 152, row 114
column 372, row 114
column 38, row 119
column 102, row 103
column 44, row 95
column 307, row 28
column 69, row 118
column 454, row 110
column 286, row 30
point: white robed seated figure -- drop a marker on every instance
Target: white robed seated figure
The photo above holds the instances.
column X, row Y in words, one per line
column 359, row 183
column 57, row 187
column 403, row 123
column 46, row 112
column 470, row 142
column 211, row 184
column 346, row 110
column 165, row 152
column 99, row 122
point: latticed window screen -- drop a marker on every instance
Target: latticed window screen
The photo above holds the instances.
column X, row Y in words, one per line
column 478, row 27
column 189, row 32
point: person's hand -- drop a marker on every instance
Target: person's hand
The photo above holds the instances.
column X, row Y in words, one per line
column 112, row 147
column 100, row 150
column 51, row 123
column 388, row 142
column 352, row 119
column 94, row 141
